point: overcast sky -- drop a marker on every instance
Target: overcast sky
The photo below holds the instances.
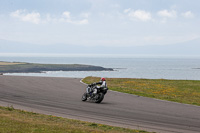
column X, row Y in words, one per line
column 96, row 23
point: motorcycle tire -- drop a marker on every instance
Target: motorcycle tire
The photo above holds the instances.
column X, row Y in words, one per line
column 84, row 97
column 100, row 97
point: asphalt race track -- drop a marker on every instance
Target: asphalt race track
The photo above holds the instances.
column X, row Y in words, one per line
column 62, row 97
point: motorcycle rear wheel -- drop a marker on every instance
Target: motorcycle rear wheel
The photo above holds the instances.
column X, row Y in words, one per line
column 100, row 97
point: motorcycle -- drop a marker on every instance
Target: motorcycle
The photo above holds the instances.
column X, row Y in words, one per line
column 95, row 97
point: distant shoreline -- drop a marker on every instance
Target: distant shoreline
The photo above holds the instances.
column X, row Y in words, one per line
column 24, row 67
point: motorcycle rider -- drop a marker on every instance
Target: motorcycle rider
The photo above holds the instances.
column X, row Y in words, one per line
column 102, row 84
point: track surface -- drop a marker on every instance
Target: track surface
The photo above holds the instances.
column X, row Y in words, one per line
column 62, row 97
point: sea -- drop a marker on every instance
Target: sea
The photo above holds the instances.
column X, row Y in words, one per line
column 179, row 68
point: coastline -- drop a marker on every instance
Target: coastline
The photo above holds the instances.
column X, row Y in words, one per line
column 151, row 68
column 24, row 67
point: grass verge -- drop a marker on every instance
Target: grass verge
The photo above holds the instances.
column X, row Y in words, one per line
column 19, row 121
column 182, row 91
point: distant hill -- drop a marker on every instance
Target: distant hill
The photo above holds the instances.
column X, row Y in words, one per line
column 186, row 48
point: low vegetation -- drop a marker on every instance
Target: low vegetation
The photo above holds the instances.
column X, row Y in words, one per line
column 21, row 67
column 182, row 91
column 10, row 63
column 19, row 121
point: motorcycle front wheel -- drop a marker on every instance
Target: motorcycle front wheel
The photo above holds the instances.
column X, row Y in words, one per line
column 84, row 97
column 99, row 97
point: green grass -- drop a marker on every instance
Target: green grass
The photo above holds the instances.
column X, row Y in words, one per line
column 19, row 121
column 182, row 91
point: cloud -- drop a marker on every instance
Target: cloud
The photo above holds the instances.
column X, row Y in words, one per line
column 67, row 18
column 188, row 14
column 33, row 17
column 138, row 14
column 127, row 10
column 67, row 14
column 167, row 14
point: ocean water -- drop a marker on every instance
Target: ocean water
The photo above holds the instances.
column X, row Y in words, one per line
column 126, row 67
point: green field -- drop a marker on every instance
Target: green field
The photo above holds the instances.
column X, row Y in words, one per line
column 19, row 121
column 182, row 91
column 22, row 67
